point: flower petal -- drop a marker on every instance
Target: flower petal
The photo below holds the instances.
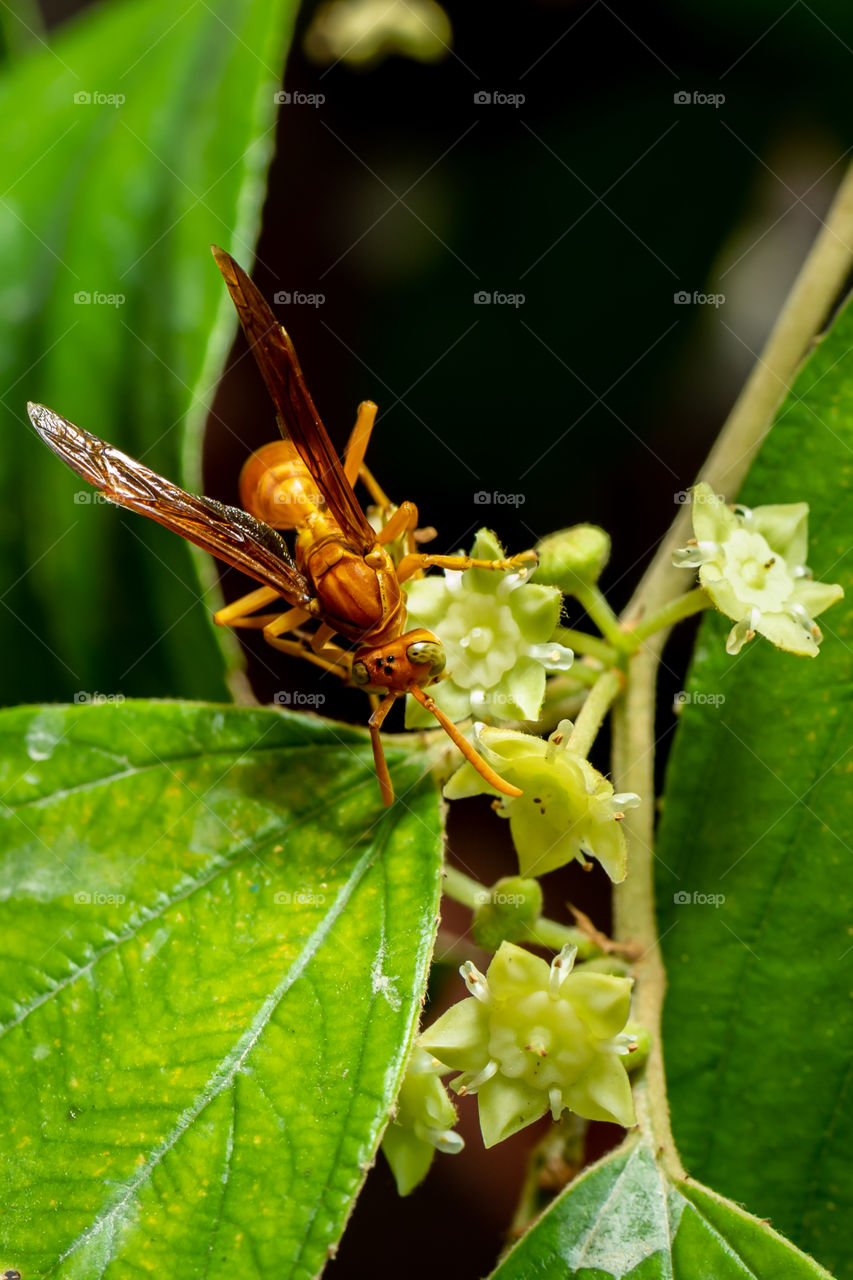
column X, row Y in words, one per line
column 603, row 1092
column 536, row 609
column 786, row 528
column 460, row 1037
column 514, row 972
column 601, row 1000
column 713, row 519
column 507, row 1106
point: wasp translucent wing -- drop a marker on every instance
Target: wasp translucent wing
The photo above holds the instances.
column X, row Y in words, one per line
column 226, row 532
column 280, row 369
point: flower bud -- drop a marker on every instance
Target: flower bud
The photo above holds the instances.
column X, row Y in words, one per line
column 573, row 556
column 507, row 912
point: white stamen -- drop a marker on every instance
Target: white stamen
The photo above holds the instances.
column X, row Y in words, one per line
column 476, row 982
column 554, row 657
column 561, row 967
column 489, row 1070
column 555, row 1100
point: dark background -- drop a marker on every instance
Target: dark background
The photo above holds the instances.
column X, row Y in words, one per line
column 598, row 199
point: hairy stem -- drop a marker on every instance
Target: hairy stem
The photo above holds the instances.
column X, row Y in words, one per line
column 814, row 291
column 581, row 642
column 591, row 716
column 664, row 618
column 596, row 606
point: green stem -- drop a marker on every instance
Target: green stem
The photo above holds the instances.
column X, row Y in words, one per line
column 814, row 291
column 602, row 615
column 664, row 618
column 591, row 716
column 584, row 643
column 544, row 933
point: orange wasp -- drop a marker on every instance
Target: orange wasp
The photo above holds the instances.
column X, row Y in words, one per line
column 342, row 574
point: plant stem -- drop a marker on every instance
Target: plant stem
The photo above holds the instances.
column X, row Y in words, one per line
column 821, row 278
column 592, row 713
column 602, row 615
column 544, row 933
column 584, row 643
column 815, row 289
column 662, row 619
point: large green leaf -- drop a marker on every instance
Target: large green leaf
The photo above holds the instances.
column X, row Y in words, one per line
column 624, row 1219
column 121, row 200
column 759, row 808
column 213, row 946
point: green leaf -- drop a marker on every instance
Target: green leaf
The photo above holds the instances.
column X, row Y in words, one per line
column 122, row 200
column 214, row 942
column 624, row 1219
column 758, row 1024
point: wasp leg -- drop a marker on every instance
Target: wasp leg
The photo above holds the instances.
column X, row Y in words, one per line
column 335, row 660
column 359, row 440
column 470, row 754
column 375, row 724
column 286, row 621
column 237, row 613
column 403, row 521
column 417, row 562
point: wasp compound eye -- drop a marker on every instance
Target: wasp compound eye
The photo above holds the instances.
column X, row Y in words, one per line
column 360, row 673
column 427, row 653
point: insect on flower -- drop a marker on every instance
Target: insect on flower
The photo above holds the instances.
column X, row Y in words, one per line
column 341, row 575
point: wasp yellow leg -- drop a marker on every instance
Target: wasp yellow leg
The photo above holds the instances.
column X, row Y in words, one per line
column 375, row 724
column 412, row 564
column 335, row 660
column 286, row 622
column 320, row 640
column 404, row 520
column 233, row 615
column 359, row 440
column 471, row 755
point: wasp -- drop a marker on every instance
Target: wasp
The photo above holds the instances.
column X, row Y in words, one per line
column 341, row 574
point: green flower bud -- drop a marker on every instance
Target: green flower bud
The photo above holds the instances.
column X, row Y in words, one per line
column 423, row 1123
column 639, row 1053
column 567, row 809
column 573, row 555
column 496, row 630
column 751, row 562
column 537, row 1038
column 507, row 912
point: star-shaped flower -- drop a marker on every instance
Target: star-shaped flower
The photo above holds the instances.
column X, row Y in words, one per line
column 751, row 562
column 423, row 1123
column 496, row 630
column 536, row 1038
column 567, row 809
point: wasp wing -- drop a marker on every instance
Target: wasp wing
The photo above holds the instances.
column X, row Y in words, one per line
column 279, row 367
column 227, row 532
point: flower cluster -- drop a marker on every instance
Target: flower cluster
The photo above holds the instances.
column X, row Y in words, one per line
column 751, row 563
column 567, row 809
column 423, row 1123
column 538, row 1038
column 496, row 629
